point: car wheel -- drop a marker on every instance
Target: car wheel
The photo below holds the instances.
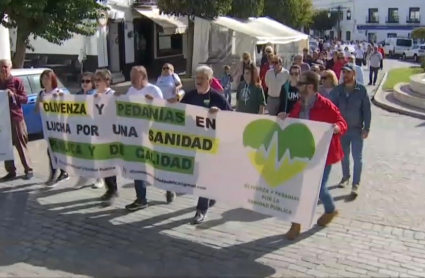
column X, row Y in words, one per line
column 404, row 56
column 415, row 58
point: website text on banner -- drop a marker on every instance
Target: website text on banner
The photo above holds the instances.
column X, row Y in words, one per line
column 273, row 167
column 6, row 146
column 78, row 129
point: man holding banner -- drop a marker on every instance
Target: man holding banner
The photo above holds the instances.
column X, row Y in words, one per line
column 313, row 106
column 17, row 96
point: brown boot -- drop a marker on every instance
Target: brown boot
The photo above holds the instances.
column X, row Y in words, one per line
column 326, row 218
column 294, row 231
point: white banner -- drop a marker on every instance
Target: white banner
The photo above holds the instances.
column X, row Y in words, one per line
column 256, row 161
column 6, row 146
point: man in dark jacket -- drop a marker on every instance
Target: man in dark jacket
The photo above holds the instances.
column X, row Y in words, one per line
column 289, row 93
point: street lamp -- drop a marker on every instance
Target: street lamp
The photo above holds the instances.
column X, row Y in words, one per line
column 348, row 14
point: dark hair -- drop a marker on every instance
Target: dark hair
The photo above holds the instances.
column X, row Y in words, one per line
column 91, row 76
column 312, row 78
column 52, row 76
column 255, row 75
column 297, row 67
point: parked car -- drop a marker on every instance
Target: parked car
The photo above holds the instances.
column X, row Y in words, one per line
column 414, row 53
column 31, row 80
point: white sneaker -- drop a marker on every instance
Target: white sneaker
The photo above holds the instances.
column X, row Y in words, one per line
column 81, row 182
column 99, row 183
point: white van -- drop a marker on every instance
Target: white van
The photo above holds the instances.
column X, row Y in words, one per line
column 395, row 47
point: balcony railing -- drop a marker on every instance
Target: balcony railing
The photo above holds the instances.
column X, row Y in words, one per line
column 392, row 19
column 372, row 19
column 148, row 3
column 413, row 19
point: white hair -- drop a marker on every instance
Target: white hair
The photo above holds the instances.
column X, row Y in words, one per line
column 5, row 62
column 206, row 70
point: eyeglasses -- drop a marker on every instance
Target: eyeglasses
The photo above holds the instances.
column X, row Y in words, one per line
column 268, row 52
column 165, row 68
column 86, row 81
column 98, row 80
column 275, row 62
column 324, row 78
column 294, row 73
column 300, row 83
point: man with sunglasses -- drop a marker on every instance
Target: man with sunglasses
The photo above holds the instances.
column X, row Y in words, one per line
column 274, row 80
column 353, row 101
column 315, row 107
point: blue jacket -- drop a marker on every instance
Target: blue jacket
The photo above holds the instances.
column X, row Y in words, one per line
column 354, row 106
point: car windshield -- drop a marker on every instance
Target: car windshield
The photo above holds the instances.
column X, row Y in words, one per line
column 35, row 82
column 415, row 47
column 406, row 43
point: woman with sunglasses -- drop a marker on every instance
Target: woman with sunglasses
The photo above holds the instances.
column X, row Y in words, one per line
column 169, row 83
column 49, row 83
column 87, row 88
column 329, row 81
column 289, row 94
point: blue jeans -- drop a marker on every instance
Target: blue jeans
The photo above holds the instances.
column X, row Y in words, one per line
column 324, row 195
column 140, row 187
column 228, row 96
column 352, row 140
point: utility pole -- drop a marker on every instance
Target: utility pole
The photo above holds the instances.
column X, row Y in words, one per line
column 339, row 9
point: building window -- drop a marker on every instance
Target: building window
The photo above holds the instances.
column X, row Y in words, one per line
column 392, row 35
column 393, row 15
column 332, row 35
column 348, row 36
column 169, row 45
column 373, row 16
column 414, row 15
column 371, row 37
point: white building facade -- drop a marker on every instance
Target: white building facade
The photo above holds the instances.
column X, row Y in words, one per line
column 375, row 20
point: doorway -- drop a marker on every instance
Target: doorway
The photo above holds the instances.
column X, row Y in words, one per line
column 143, row 42
column 114, row 47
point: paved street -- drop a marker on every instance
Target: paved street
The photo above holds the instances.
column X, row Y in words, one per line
column 66, row 233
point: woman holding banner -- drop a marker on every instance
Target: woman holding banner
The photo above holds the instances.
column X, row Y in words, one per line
column 102, row 80
column 142, row 87
column 87, row 88
column 49, row 84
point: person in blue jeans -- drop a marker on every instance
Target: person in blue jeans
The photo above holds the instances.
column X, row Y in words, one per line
column 226, row 81
column 353, row 101
column 214, row 101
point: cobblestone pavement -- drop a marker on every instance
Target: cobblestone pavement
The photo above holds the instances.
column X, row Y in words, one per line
column 66, row 233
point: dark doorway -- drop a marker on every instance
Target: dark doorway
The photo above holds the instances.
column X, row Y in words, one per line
column 121, row 49
column 143, row 42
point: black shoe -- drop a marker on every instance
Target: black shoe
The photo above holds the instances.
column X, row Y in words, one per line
column 198, row 219
column 9, row 176
column 109, row 196
column 28, row 176
column 63, row 176
column 211, row 203
column 344, row 182
column 369, row 84
column 170, row 196
column 374, row 84
column 136, row 205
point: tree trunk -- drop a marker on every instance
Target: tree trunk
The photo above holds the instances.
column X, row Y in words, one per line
column 21, row 48
column 189, row 56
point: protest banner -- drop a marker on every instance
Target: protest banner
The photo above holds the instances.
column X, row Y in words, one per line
column 78, row 129
column 255, row 161
column 6, row 146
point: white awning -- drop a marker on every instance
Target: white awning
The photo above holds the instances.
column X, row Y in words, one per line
column 169, row 24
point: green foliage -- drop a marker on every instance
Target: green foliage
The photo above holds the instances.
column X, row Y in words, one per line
column 201, row 8
column 52, row 20
column 418, row 33
column 322, row 22
column 294, row 13
column 246, row 8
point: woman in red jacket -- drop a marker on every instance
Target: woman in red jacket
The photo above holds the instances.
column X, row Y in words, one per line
column 339, row 64
column 313, row 106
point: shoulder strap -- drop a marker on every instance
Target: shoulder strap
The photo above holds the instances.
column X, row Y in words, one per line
column 40, row 93
column 287, row 95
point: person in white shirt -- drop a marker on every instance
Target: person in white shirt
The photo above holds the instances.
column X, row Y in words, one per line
column 274, row 79
column 169, row 82
column 142, row 87
column 359, row 54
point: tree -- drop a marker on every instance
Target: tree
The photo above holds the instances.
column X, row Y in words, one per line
column 294, row 13
column 52, row 20
column 418, row 33
column 208, row 9
column 246, row 8
column 322, row 22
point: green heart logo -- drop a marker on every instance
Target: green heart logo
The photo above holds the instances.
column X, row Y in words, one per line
column 278, row 155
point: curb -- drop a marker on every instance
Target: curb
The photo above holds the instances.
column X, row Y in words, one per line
column 391, row 108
